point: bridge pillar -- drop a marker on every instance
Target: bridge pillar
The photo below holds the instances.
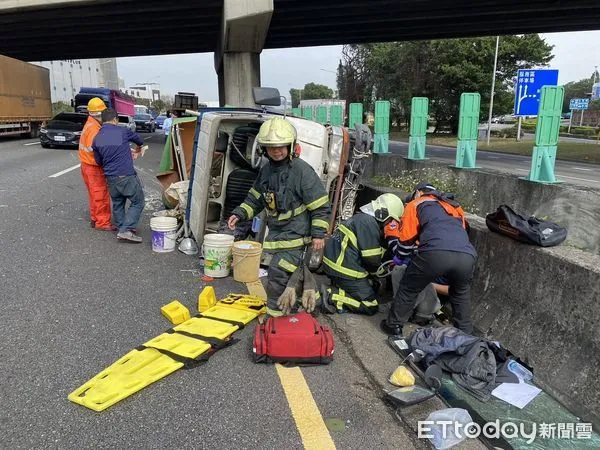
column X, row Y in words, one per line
column 237, row 57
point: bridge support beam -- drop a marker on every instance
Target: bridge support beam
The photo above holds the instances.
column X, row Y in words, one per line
column 237, row 58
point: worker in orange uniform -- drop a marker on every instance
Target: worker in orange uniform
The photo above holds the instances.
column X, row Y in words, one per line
column 436, row 224
column 92, row 173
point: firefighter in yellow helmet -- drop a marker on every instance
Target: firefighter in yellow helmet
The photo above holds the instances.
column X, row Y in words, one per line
column 93, row 176
column 297, row 206
column 353, row 255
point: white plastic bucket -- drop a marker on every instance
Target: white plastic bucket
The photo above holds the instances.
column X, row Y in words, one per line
column 217, row 254
column 164, row 234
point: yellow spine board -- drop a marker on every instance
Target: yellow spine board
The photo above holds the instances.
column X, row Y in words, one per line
column 140, row 368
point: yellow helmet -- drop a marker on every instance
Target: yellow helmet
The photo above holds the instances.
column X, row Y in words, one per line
column 384, row 207
column 277, row 132
column 96, row 105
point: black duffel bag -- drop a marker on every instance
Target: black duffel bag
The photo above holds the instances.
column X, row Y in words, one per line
column 531, row 231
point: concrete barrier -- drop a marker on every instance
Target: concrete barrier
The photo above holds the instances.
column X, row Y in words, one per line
column 544, row 305
column 574, row 207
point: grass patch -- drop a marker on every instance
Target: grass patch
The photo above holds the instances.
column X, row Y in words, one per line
column 567, row 151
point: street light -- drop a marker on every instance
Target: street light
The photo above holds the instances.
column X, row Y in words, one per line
column 489, row 130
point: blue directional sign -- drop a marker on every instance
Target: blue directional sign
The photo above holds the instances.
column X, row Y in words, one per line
column 579, row 103
column 529, row 88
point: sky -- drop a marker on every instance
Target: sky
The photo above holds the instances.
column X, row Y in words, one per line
column 574, row 57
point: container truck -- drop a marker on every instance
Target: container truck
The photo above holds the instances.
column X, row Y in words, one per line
column 24, row 97
column 185, row 100
column 120, row 102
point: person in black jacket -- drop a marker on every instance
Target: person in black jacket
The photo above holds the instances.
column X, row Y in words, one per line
column 296, row 204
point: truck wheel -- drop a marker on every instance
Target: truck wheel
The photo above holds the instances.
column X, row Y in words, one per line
column 34, row 130
column 45, row 145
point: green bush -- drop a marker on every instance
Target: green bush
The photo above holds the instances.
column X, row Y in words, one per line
column 506, row 133
column 582, row 131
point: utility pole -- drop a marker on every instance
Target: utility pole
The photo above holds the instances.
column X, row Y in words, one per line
column 489, row 130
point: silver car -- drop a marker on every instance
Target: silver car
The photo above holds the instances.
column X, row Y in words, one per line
column 127, row 122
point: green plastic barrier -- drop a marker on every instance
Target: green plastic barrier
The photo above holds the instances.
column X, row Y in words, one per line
column 382, row 126
column 418, row 128
column 468, row 127
column 322, row 114
column 296, row 112
column 337, row 115
column 355, row 115
column 546, row 135
column 307, row 112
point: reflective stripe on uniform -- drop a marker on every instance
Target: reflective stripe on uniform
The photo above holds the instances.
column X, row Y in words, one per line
column 285, row 265
column 317, row 203
column 274, row 312
column 345, row 300
column 320, row 223
column 372, row 252
column 370, row 304
column 286, row 215
column 85, row 148
column 348, row 232
column 248, row 209
column 286, row 245
column 340, row 269
column 255, row 193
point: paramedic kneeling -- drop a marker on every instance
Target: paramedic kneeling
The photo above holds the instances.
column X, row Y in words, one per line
column 444, row 250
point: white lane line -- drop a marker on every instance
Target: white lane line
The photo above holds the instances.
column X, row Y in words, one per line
column 62, row 172
column 581, row 168
column 493, row 157
column 566, row 176
column 32, row 143
column 149, row 137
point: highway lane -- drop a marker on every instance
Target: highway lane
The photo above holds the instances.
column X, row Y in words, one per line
column 577, row 173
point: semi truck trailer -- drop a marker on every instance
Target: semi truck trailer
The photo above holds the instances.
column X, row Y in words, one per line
column 24, row 97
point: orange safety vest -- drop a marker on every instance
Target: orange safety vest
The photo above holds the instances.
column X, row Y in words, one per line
column 90, row 130
column 408, row 229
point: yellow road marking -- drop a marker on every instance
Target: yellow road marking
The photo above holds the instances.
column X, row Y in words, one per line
column 310, row 423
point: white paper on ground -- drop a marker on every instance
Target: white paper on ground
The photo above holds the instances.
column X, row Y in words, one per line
column 517, row 394
column 262, row 273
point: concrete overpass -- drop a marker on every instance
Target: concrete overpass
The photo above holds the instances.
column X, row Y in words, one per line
column 238, row 30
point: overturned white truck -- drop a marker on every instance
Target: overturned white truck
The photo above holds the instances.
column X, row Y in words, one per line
column 225, row 162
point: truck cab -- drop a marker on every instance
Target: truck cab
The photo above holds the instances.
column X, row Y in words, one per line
column 227, row 162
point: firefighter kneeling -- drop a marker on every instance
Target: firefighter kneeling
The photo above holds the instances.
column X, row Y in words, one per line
column 353, row 255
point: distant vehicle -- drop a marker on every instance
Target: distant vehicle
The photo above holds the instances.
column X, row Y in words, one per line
column 141, row 109
column 183, row 101
column 24, row 97
column 120, row 102
column 159, row 120
column 507, row 118
column 144, row 122
column 566, row 115
column 63, row 130
column 496, row 119
column 127, row 122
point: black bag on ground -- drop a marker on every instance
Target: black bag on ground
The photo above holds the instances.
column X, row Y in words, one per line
column 531, row 231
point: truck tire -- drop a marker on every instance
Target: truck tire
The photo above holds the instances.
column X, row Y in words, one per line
column 34, row 130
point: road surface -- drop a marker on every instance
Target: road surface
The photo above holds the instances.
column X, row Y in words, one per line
column 577, row 173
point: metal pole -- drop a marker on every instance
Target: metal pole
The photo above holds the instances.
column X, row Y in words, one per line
column 581, row 120
column 489, row 130
column 519, row 129
column 570, row 122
